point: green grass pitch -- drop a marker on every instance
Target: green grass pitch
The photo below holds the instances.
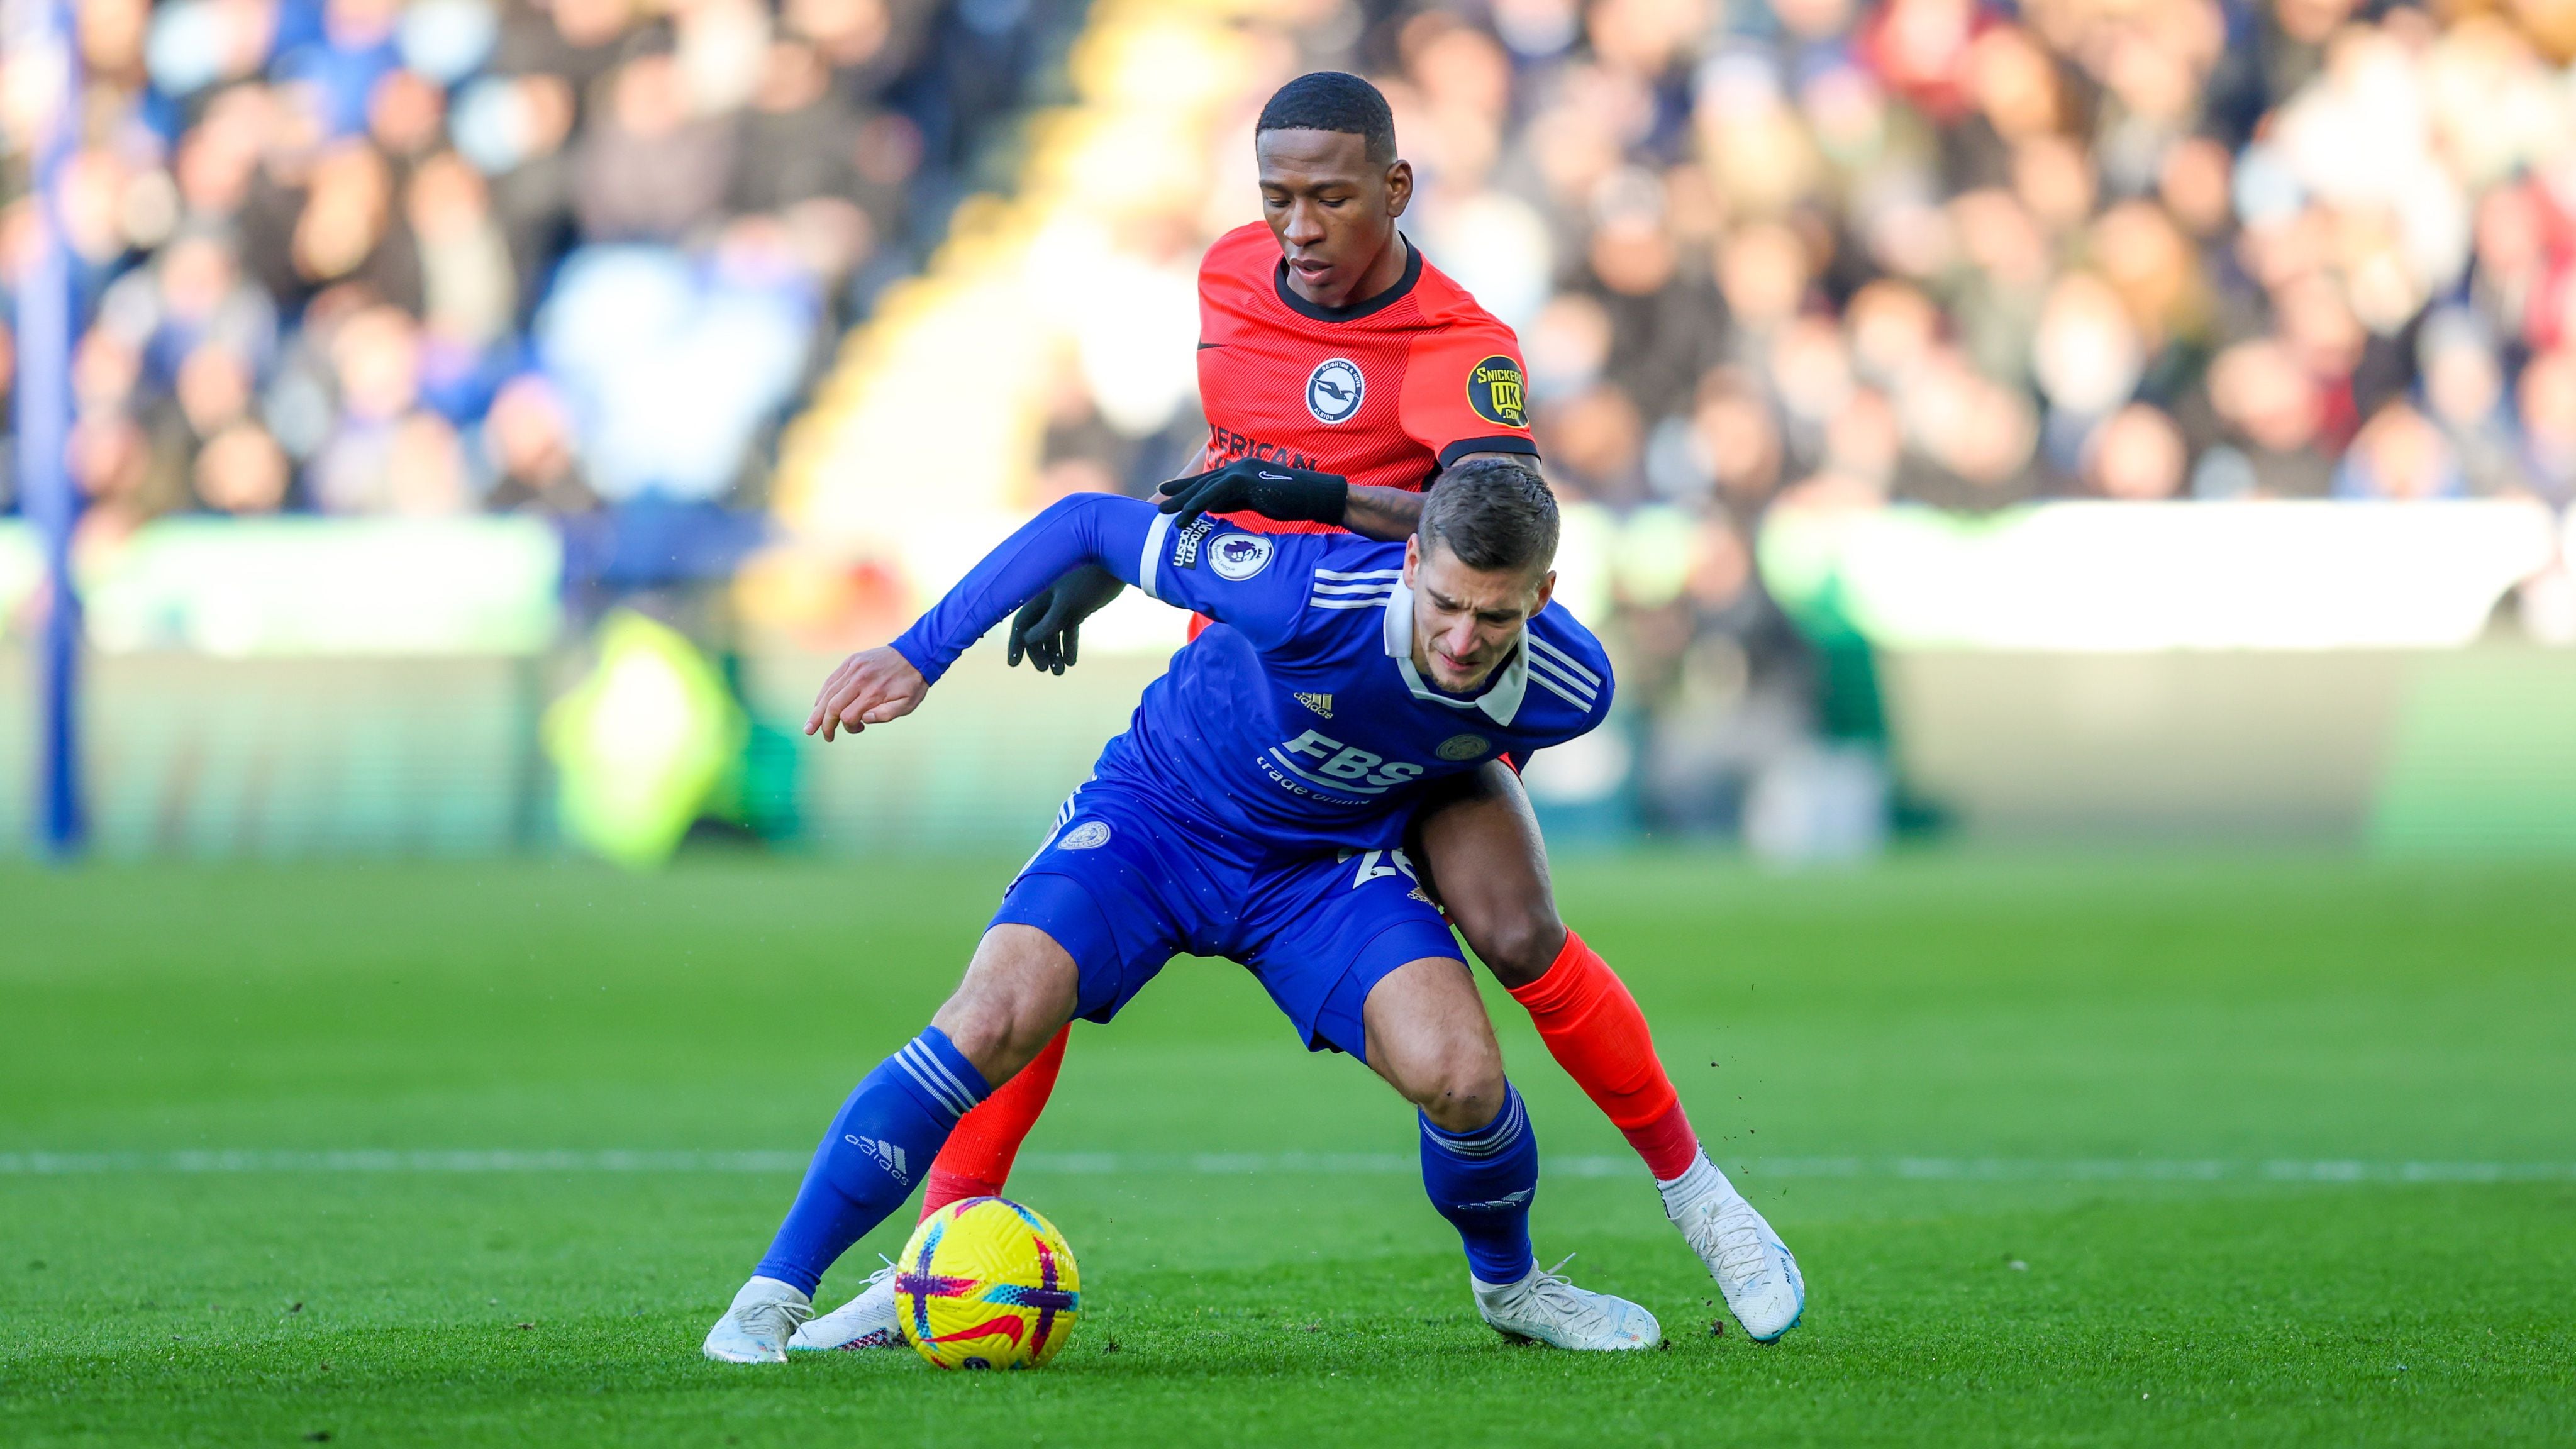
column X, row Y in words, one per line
column 2110, row 1151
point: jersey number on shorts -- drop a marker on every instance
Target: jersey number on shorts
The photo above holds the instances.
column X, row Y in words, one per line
column 1377, row 863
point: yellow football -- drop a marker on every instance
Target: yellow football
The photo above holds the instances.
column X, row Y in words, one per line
column 986, row 1283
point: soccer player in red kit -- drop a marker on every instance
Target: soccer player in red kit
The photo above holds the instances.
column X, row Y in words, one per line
column 1340, row 373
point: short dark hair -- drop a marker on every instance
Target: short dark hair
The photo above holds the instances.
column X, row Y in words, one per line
column 1329, row 100
column 1493, row 514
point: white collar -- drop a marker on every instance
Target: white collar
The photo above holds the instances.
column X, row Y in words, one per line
column 1501, row 700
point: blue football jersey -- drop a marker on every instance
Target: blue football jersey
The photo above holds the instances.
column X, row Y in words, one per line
column 1299, row 718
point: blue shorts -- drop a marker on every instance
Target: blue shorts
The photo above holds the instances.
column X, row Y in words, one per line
column 1123, row 885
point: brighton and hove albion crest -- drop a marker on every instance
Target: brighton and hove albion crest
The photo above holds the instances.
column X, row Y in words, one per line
column 1238, row 556
column 1463, row 747
column 1334, row 390
column 1497, row 392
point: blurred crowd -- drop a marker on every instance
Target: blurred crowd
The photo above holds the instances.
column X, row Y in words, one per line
column 363, row 257
column 1835, row 254
column 370, row 257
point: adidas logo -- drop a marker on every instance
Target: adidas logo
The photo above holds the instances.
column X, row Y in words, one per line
column 1321, row 704
column 883, row 1154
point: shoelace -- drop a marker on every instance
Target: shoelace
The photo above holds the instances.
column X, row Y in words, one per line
column 1564, row 1301
column 791, row 1315
column 876, row 1280
column 1740, row 1250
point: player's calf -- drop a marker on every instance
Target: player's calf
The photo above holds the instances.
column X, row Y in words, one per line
column 1483, row 1182
column 883, row 1138
column 1428, row 1037
column 1018, row 991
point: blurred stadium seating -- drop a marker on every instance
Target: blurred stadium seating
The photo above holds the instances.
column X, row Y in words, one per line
column 1871, row 345
column 365, row 258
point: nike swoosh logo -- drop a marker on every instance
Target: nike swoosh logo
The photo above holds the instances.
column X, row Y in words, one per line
column 1276, row 477
column 1204, row 346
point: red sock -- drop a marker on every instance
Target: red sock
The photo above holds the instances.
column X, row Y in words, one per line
column 976, row 1161
column 1594, row 1030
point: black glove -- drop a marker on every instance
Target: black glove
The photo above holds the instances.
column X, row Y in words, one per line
column 1273, row 490
column 1048, row 628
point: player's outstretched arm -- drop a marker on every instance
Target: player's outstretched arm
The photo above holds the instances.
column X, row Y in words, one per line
column 1124, row 537
column 1254, row 485
column 1390, row 515
column 1293, row 495
column 872, row 686
column 1132, row 543
column 1047, row 631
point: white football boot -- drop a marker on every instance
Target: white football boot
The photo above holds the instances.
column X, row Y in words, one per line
column 870, row 1320
column 756, row 1327
column 1551, row 1310
column 1753, row 1268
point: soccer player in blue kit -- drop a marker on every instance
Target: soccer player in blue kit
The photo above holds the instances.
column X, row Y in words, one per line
column 1234, row 819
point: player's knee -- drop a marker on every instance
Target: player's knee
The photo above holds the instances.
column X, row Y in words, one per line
column 1004, row 1013
column 999, row 1041
column 1461, row 1089
column 1516, row 941
column 985, row 1026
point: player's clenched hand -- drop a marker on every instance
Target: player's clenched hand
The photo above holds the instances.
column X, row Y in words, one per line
column 871, row 687
column 1048, row 628
column 1273, row 490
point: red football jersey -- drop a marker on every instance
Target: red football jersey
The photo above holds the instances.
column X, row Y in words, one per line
column 1385, row 392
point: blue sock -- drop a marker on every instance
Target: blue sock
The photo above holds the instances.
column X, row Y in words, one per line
column 1482, row 1182
column 879, row 1146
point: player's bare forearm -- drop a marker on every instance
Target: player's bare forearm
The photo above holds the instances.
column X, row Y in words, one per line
column 1390, row 515
column 872, row 686
column 1385, row 514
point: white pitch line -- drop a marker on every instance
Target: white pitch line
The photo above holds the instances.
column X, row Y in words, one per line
column 1327, row 1164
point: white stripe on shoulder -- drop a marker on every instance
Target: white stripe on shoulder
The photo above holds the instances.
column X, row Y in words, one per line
column 1376, row 601
column 1548, row 669
column 1150, row 569
column 1381, row 586
column 1560, row 691
column 1559, row 656
column 1360, row 574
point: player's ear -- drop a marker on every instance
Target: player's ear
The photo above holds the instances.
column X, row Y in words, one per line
column 1399, row 187
column 1546, row 591
column 1412, row 556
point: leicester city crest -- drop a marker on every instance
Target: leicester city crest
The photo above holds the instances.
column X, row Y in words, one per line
column 1463, row 747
